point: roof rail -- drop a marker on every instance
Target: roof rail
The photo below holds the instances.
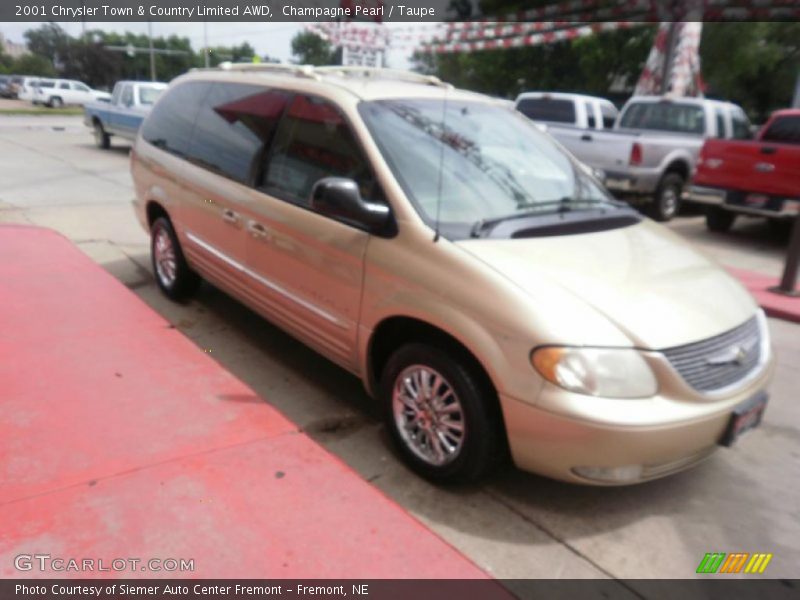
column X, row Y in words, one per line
column 298, row 70
column 379, row 73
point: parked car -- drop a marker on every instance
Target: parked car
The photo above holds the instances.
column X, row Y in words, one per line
column 6, row 87
column 487, row 291
column 556, row 109
column 27, row 86
column 758, row 177
column 56, row 93
column 649, row 156
column 123, row 114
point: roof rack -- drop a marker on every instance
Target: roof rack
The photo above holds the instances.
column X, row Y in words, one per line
column 380, row 73
column 298, row 70
column 312, row 72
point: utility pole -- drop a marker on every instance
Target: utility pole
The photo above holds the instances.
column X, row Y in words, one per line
column 152, row 53
column 669, row 56
column 205, row 43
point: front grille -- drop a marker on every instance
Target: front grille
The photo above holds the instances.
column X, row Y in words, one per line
column 719, row 361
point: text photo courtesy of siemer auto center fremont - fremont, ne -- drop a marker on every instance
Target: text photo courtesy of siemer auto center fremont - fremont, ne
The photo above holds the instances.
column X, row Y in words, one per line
column 377, row 298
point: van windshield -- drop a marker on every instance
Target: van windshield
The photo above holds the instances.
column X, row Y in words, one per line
column 494, row 162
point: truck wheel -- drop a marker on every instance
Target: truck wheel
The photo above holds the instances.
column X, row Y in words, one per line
column 440, row 415
column 55, row 102
column 719, row 219
column 173, row 275
column 667, row 199
column 101, row 138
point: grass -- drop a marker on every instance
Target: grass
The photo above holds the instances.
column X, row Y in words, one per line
column 41, row 111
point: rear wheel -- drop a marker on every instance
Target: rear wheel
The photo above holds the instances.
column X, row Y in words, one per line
column 719, row 219
column 173, row 275
column 440, row 414
column 101, row 139
column 667, row 199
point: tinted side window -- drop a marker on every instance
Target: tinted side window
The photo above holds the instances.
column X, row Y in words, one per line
column 234, row 127
column 720, row 118
column 741, row 125
column 127, row 95
column 591, row 122
column 609, row 113
column 784, row 130
column 547, row 109
column 169, row 125
column 313, row 142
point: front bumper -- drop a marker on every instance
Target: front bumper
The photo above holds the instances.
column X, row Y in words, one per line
column 737, row 202
column 566, row 436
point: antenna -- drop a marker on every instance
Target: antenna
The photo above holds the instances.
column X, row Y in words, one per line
column 441, row 167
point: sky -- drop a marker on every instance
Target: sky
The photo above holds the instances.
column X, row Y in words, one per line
column 273, row 39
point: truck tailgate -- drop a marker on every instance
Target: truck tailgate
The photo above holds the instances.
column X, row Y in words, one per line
column 605, row 150
column 750, row 166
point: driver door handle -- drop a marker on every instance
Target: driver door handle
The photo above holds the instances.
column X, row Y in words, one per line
column 230, row 216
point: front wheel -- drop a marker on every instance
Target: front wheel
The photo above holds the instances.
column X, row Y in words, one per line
column 55, row 102
column 101, row 139
column 442, row 417
column 667, row 199
column 173, row 275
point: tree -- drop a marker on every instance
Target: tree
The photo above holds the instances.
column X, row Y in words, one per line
column 32, row 64
column 51, row 42
column 310, row 49
column 753, row 64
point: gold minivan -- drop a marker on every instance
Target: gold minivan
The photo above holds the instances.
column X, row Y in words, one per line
column 483, row 285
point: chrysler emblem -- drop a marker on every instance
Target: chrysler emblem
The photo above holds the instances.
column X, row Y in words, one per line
column 735, row 355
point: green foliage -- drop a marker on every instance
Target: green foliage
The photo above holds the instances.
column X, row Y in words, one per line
column 754, row 64
column 310, row 49
column 589, row 65
column 31, row 64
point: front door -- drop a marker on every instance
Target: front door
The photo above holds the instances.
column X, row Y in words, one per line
column 307, row 267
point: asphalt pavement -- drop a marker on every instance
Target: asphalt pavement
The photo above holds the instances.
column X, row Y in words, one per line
column 516, row 525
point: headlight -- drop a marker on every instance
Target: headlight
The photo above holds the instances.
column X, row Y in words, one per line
column 608, row 372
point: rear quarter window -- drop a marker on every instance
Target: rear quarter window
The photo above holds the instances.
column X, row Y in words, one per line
column 547, row 109
column 783, row 130
column 170, row 124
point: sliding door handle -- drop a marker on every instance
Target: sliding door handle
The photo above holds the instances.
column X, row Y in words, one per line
column 257, row 230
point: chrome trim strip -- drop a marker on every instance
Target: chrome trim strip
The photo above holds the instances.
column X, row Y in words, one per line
column 264, row 281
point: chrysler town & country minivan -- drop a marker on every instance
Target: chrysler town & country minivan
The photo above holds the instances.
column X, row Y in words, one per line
column 487, row 290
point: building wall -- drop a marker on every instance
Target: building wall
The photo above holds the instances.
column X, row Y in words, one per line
column 12, row 49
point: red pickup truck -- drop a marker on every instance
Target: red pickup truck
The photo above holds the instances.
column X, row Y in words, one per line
column 759, row 177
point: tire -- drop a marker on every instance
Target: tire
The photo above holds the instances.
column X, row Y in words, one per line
column 173, row 275
column 477, row 413
column 667, row 199
column 719, row 220
column 101, row 139
column 55, row 102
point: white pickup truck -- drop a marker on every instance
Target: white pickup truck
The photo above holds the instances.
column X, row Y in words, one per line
column 649, row 156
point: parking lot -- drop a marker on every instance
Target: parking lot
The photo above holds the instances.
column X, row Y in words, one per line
column 516, row 525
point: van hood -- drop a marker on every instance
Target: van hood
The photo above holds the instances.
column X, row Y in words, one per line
column 648, row 282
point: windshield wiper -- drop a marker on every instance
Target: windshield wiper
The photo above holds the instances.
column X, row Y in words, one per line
column 565, row 204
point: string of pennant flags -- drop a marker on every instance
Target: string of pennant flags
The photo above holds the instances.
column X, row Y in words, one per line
column 565, row 21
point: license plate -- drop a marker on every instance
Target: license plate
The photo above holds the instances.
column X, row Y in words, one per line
column 618, row 184
column 756, row 200
column 745, row 417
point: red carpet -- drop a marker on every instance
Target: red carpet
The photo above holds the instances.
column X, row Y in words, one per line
column 119, row 438
column 775, row 305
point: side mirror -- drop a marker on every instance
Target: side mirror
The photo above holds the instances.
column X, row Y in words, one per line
column 340, row 198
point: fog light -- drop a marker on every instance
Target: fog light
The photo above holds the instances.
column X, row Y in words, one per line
column 624, row 474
